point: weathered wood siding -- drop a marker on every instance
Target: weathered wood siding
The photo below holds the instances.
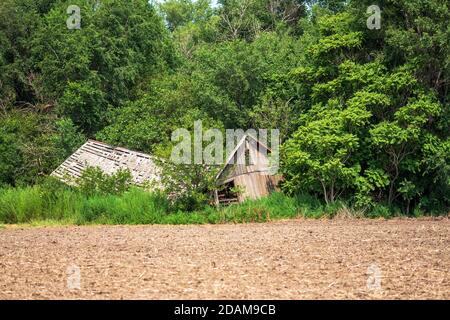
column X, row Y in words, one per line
column 250, row 170
column 256, row 162
column 256, row 185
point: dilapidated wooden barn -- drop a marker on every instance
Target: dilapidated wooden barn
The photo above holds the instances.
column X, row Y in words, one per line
column 109, row 159
column 246, row 173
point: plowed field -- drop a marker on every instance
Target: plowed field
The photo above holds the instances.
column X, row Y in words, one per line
column 296, row 259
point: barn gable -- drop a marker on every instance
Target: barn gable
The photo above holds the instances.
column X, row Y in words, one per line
column 247, row 168
column 109, row 159
column 249, row 155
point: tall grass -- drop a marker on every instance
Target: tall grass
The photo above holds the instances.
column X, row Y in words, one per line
column 25, row 205
column 69, row 206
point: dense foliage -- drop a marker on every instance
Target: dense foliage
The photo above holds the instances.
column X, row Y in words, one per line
column 364, row 114
column 43, row 205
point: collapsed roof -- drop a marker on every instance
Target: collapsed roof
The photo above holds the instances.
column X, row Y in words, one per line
column 109, row 159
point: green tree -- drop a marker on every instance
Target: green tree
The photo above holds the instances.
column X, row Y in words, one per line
column 86, row 72
column 369, row 125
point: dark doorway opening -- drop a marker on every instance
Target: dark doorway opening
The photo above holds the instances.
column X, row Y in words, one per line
column 226, row 195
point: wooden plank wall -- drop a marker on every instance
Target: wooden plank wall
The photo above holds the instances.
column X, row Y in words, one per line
column 253, row 176
column 256, row 185
column 259, row 161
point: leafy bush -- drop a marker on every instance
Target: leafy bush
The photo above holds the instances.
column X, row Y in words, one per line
column 380, row 210
column 94, row 181
column 190, row 202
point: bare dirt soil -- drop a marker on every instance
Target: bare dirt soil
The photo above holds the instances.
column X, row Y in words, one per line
column 296, row 259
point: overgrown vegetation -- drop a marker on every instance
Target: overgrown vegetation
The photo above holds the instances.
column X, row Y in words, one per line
column 94, row 181
column 363, row 114
column 58, row 204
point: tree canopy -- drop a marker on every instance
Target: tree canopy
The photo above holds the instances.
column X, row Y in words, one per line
column 364, row 113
